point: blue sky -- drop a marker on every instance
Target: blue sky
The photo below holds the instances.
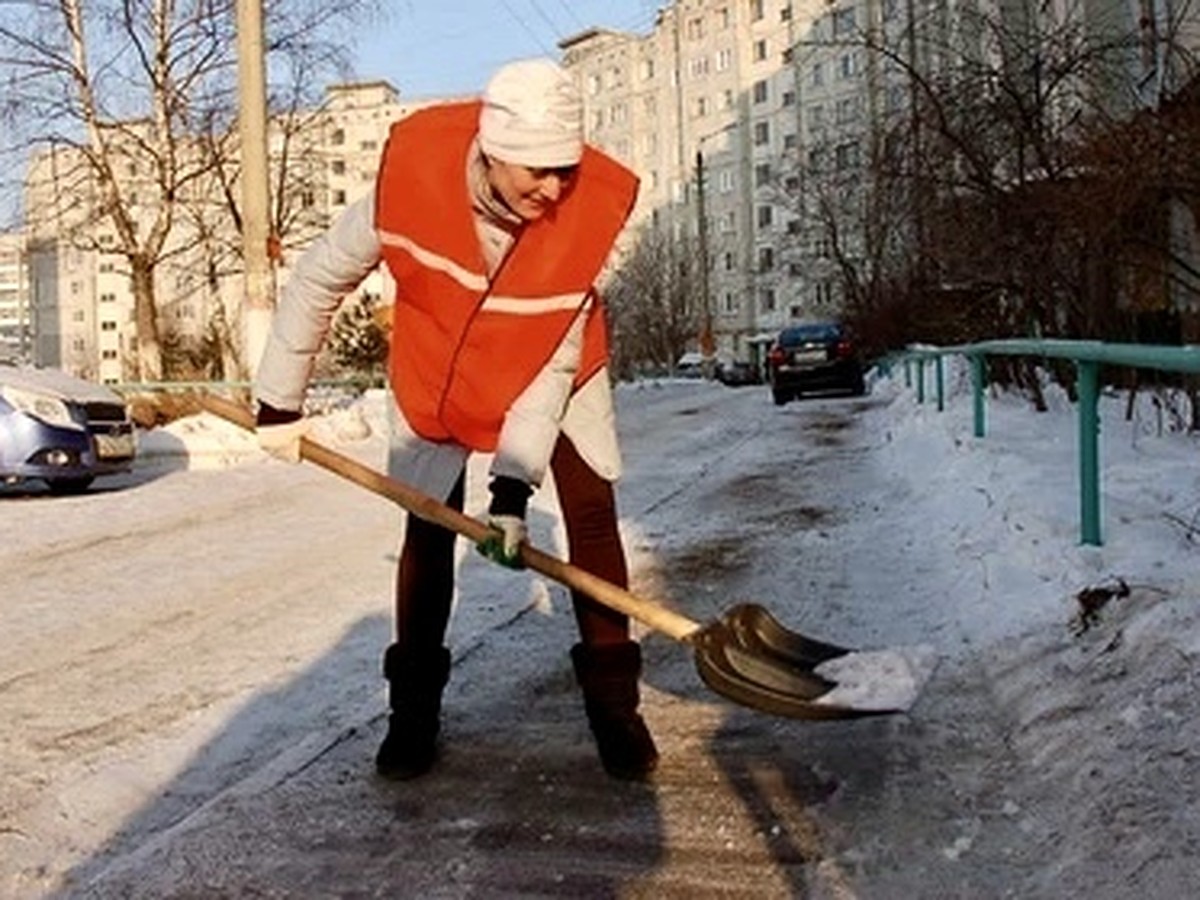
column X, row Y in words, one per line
column 436, row 47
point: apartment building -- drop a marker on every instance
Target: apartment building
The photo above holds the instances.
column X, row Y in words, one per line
column 16, row 329
column 83, row 317
column 769, row 114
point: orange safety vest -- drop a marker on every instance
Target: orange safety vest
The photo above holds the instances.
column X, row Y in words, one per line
column 464, row 347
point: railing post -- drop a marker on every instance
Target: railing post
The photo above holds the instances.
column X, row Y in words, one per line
column 940, row 379
column 920, row 379
column 978, row 386
column 1089, row 456
column 907, row 372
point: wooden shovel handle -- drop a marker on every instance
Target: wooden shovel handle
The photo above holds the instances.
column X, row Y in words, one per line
column 648, row 612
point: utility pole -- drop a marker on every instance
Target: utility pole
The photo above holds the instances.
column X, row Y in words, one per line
column 256, row 226
column 707, row 343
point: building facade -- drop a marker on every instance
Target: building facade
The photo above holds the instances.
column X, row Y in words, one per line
column 760, row 130
column 16, row 327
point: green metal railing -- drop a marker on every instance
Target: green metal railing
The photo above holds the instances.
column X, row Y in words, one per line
column 1088, row 357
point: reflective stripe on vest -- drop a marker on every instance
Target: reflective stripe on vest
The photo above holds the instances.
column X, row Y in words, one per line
column 464, row 347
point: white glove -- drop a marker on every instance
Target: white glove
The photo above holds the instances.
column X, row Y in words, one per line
column 283, row 441
column 504, row 545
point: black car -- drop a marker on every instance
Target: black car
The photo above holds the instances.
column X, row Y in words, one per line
column 818, row 356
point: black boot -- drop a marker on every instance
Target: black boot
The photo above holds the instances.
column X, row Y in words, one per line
column 415, row 683
column 608, row 675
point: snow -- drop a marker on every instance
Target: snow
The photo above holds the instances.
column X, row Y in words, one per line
column 877, row 680
column 953, row 552
column 1006, row 507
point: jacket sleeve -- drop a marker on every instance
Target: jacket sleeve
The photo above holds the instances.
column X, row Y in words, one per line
column 532, row 423
column 333, row 266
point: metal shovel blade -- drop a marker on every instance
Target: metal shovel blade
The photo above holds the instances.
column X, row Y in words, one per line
column 749, row 658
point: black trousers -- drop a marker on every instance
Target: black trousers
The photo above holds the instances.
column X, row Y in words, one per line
column 425, row 579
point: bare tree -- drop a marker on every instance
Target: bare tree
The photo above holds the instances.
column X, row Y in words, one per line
column 654, row 303
column 993, row 167
column 130, row 105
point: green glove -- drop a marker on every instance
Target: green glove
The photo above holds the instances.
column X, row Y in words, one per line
column 506, row 522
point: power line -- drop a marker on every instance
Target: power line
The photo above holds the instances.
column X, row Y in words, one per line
column 529, row 31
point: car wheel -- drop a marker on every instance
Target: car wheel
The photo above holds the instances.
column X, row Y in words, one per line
column 780, row 397
column 69, row 485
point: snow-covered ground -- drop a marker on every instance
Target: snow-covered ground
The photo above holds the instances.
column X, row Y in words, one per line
column 968, row 546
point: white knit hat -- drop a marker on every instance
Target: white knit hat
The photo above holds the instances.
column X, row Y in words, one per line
column 532, row 115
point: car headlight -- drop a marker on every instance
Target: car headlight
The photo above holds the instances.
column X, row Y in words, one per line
column 43, row 407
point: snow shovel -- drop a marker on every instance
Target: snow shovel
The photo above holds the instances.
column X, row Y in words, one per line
column 746, row 655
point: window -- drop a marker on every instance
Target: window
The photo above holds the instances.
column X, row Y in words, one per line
column 695, row 29
column 785, row 14
column 593, row 85
column 108, row 354
column 106, row 266
column 108, row 326
column 765, row 216
column 789, row 142
column 724, row 20
column 760, row 91
column 338, row 167
column 727, row 99
column 766, row 299
column 647, row 69
column 367, row 145
column 789, row 98
column 766, row 259
column 823, row 293
column 698, row 67
column 339, row 198
column 701, row 107
column 108, row 298
column 762, row 174
column 847, row 66
column 730, row 262
column 726, row 181
column 756, row 10
column 760, row 50
column 846, row 156
column 843, row 21
column 729, row 304
column 724, row 59
column 762, row 133
column 816, row 116
column 338, row 137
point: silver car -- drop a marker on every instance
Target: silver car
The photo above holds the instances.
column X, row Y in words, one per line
column 61, row 429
